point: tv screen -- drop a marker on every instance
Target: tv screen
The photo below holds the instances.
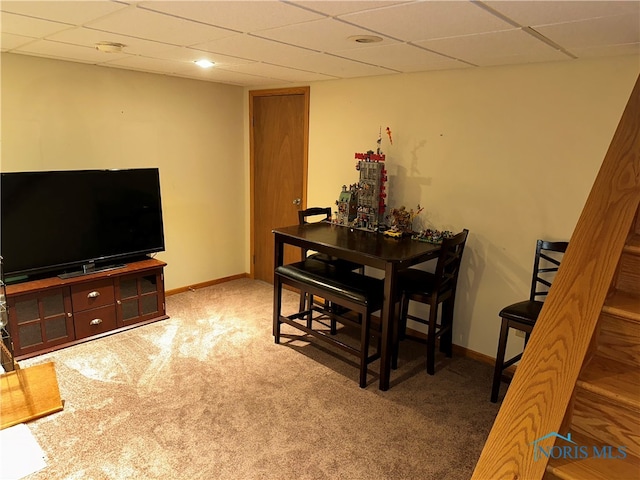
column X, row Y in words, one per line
column 61, row 221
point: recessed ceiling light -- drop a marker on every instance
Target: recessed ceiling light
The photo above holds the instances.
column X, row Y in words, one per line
column 204, row 63
column 365, row 38
column 109, row 47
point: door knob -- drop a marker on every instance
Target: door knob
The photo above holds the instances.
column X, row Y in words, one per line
column 297, row 201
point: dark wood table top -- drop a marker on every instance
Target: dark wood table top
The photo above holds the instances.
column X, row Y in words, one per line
column 366, row 247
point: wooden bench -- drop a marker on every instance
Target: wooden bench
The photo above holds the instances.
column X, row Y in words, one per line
column 354, row 291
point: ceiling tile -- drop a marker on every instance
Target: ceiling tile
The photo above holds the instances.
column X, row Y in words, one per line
column 188, row 54
column 401, row 57
column 38, row 28
column 90, row 36
column 522, row 59
column 488, row 48
column 426, row 20
column 241, row 16
column 226, row 76
column 608, row 51
column 65, row 51
column 279, row 73
column 10, row 41
column 136, row 46
column 71, row 12
column 530, row 13
column 338, row 7
column 256, row 48
column 147, row 64
column 335, row 66
column 617, row 30
column 140, row 23
column 327, row 35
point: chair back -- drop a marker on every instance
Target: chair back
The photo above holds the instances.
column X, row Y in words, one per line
column 449, row 260
column 545, row 266
column 304, row 215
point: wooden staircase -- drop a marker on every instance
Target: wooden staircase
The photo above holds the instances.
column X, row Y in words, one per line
column 605, row 408
column 572, row 411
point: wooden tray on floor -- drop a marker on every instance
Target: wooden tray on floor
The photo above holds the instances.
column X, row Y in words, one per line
column 29, row 393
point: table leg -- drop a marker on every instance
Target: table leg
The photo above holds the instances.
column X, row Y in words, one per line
column 388, row 308
column 278, row 260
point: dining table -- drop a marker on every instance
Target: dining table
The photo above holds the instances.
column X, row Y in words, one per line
column 371, row 248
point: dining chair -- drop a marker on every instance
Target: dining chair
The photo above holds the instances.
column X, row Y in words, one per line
column 324, row 214
column 354, row 291
column 523, row 315
column 431, row 289
column 319, row 214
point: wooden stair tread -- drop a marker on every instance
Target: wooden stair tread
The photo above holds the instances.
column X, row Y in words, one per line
column 29, row 393
column 633, row 244
column 619, row 339
column 612, row 379
column 593, row 468
column 623, row 305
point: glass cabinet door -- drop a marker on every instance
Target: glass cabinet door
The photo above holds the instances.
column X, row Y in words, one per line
column 42, row 320
column 140, row 298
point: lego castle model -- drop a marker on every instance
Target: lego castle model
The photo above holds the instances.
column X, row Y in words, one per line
column 362, row 204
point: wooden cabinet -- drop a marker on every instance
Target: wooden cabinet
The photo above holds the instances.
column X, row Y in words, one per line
column 40, row 320
column 52, row 313
column 139, row 298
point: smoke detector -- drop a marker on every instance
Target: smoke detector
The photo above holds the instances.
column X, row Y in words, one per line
column 109, row 47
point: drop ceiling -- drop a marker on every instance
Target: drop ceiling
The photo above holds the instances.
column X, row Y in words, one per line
column 269, row 42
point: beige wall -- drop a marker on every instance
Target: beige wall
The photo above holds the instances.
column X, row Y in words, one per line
column 61, row 115
column 508, row 152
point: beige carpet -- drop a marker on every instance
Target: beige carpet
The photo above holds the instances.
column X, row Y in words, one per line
column 207, row 394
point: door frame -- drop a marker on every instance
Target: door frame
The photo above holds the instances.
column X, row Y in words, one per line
column 305, row 91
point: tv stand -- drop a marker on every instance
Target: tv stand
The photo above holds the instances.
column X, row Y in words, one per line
column 90, row 268
column 52, row 313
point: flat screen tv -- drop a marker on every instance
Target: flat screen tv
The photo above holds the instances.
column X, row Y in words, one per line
column 68, row 222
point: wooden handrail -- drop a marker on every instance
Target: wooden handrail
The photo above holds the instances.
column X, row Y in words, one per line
column 539, row 394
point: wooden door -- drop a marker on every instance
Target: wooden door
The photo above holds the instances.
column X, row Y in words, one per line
column 279, row 133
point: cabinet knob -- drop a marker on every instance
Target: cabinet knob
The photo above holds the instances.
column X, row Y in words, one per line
column 95, row 321
column 69, row 314
column 93, row 294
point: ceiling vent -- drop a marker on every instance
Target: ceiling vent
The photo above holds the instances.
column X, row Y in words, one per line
column 109, row 47
column 365, row 39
